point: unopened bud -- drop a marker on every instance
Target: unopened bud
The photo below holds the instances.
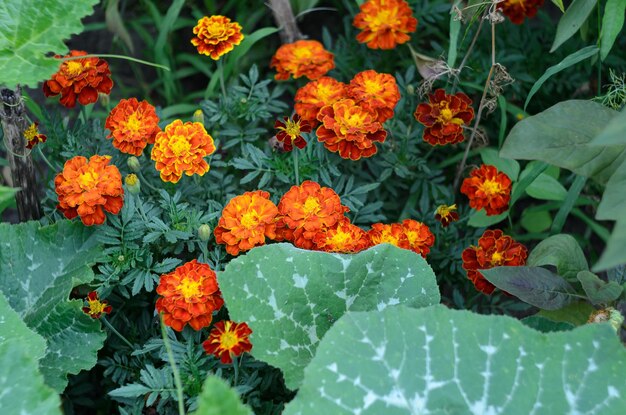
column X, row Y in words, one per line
column 198, row 116
column 410, row 89
column 204, row 232
column 607, row 315
column 132, row 183
column 133, row 164
column 104, row 99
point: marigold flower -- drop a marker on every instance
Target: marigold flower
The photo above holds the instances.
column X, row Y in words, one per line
column 290, row 132
column 350, row 129
column 302, row 58
column 133, row 126
column 419, row 236
column 379, row 90
column 393, row 234
column 446, row 214
column 488, row 188
column 517, row 10
column 316, row 94
column 33, row 136
column 181, row 148
column 189, row 295
column 216, row 36
column 83, row 78
column 305, row 210
column 344, row 237
column 87, row 187
column 227, row 340
column 246, row 221
column 494, row 249
column 384, row 23
column 96, row 307
column 444, row 117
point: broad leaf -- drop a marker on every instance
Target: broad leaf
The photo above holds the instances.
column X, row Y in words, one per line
column 507, row 166
column 30, row 30
column 39, row 266
column 546, row 187
column 7, row 197
column 612, row 23
column 479, row 218
column 217, row 398
column 290, row 297
column 561, row 251
column 614, row 134
column 574, row 17
column 576, row 313
column 536, row 221
column 614, row 254
column 598, row 291
column 436, row 360
column 613, row 203
column 545, row 325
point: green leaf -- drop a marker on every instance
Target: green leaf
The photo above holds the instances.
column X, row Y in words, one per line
column 613, row 203
column 568, row 61
column 614, row 134
column 612, row 23
column 455, row 28
column 561, row 251
column 30, row 30
column 546, row 325
column 530, row 173
column 37, row 275
column 218, row 398
column 574, row 17
column 598, row 291
column 536, row 221
column 576, row 313
column 290, row 297
column 7, row 197
column 559, row 4
column 546, row 187
column 479, row 218
column 507, row 166
column 614, row 254
column 534, row 285
column 561, row 134
column 440, row 361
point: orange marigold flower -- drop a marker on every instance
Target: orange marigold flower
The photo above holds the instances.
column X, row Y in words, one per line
column 87, row 187
column 33, row 136
column 419, row 236
column 446, row 214
column 344, row 237
column 290, row 132
column 379, row 90
column 305, row 210
column 216, row 36
column 444, row 117
column 393, row 234
column 302, row 58
column 384, row 23
column 316, row 94
column 227, row 340
column 517, row 10
column 488, row 188
column 83, row 78
column 494, row 250
column 96, row 307
column 181, row 148
column 350, row 129
column 246, row 221
column 133, row 126
column 189, row 295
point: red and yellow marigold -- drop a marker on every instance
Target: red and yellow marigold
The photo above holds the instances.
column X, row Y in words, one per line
column 96, row 307
column 350, row 129
column 33, row 136
column 246, row 221
column 489, row 189
column 384, row 23
column 80, row 79
column 227, row 340
column 394, row 234
column 216, row 36
column 302, row 58
column 446, row 214
column 317, row 94
column 494, row 249
column 444, row 117
column 517, row 10
column 290, row 132
column 181, row 148
column 344, row 238
column 379, row 90
column 87, row 188
column 189, row 295
column 419, row 236
column 133, row 126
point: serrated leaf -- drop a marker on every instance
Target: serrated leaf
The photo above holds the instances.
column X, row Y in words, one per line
column 436, row 361
column 217, row 398
column 30, row 30
column 598, row 291
column 290, row 297
column 574, row 17
column 130, row 391
column 561, row 251
column 612, row 24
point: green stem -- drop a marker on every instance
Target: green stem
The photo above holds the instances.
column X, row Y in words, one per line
column 296, row 168
column 144, row 180
column 599, row 60
column 236, row 367
column 54, row 169
column 114, row 330
column 128, row 58
column 170, row 357
column 220, row 69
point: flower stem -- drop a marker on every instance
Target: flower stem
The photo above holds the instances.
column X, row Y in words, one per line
column 144, row 180
column 117, row 333
column 236, row 367
column 128, row 58
column 170, row 357
column 296, row 167
column 220, row 69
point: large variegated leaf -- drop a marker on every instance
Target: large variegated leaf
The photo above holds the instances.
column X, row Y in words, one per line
column 439, row 361
column 218, row 398
column 291, row 297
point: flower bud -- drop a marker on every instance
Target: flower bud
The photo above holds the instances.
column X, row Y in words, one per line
column 410, row 89
column 204, row 232
column 133, row 164
column 132, row 184
column 104, row 99
column 607, row 315
column 198, row 116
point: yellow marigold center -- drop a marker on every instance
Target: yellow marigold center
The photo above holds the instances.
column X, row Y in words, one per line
column 411, row 236
column 250, row 219
column 497, row 258
column 216, row 29
column 491, row 187
column 292, row 129
column 446, row 115
column 133, row 124
column 96, row 307
column 74, row 67
column 31, row 132
column 372, row 87
column 340, row 238
column 88, row 180
column 311, row 205
column 189, row 288
column 179, row 144
column 228, row 340
column 387, row 237
column 383, row 19
column 131, row 179
column 445, row 210
column 352, row 119
column 302, row 53
column 324, row 92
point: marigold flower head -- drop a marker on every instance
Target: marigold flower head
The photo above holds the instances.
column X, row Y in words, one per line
column 517, row 10
column 290, row 132
column 344, row 237
column 393, row 234
column 246, row 221
column 379, row 90
column 96, row 307
column 189, row 295
column 384, row 23
column 316, row 94
column 133, row 126
column 87, row 188
column 488, row 188
column 494, row 249
column 444, row 117
column 350, row 129
column 446, row 214
column 419, row 236
column 227, row 340
column 302, row 58
column 181, row 148
column 79, row 78
column 216, row 36
column 33, row 136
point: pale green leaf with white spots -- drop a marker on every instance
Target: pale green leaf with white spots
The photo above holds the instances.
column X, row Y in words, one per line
column 290, row 297
column 440, row 361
